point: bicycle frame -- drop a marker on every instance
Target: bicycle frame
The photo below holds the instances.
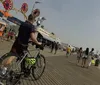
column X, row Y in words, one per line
column 26, row 52
column 1, row 83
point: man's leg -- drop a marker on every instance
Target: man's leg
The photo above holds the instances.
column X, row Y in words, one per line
column 51, row 50
column 55, row 51
column 7, row 59
column 7, row 62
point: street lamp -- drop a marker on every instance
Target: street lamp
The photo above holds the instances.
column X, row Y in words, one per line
column 36, row 2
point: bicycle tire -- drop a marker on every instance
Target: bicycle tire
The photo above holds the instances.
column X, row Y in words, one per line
column 33, row 68
column 15, row 81
column 7, row 81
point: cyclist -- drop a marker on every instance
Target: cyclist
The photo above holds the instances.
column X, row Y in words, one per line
column 26, row 31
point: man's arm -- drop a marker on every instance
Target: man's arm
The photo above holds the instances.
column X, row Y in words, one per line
column 33, row 38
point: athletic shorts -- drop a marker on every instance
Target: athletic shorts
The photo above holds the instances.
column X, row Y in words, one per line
column 18, row 48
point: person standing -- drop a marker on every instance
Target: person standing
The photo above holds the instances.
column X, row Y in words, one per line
column 2, row 28
column 4, row 33
column 9, row 34
column 85, row 57
column 79, row 55
column 56, row 47
column 52, row 46
column 68, row 51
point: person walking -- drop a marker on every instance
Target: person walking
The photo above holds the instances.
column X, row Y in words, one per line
column 52, row 46
column 56, row 47
column 68, row 51
column 2, row 28
column 85, row 57
column 79, row 55
column 9, row 35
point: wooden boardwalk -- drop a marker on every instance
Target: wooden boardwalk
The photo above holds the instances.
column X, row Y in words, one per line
column 61, row 71
column 51, row 76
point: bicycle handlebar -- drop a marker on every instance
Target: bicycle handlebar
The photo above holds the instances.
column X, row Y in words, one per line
column 41, row 47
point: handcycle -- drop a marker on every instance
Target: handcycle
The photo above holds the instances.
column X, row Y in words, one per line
column 33, row 64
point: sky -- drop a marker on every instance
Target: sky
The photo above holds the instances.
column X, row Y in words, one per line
column 75, row 21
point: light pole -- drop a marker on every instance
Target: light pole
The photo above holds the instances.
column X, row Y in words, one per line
column 36, row 2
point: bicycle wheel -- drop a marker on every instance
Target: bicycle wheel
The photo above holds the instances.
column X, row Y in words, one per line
column 10, row 77
column 39, row 67
column 14, row 79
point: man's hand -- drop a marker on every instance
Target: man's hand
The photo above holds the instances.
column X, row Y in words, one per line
column 40, row 45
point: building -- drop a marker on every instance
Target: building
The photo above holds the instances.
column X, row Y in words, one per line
column 47, row 36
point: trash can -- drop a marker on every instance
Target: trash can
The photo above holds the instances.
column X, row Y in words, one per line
column 97, row 62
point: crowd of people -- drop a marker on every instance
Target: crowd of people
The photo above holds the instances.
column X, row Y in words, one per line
column 8, row 35
column 86, row 57
column 11, row 35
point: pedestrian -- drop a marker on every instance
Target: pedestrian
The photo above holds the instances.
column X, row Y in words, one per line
column 91, row 57
column 85, row 57
column 56, row 47
column 4, row 33
column 52, row 46
column 12, row 34
column 68, row 51
column 9, row 34
column 2, row 27
column 79, row 55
